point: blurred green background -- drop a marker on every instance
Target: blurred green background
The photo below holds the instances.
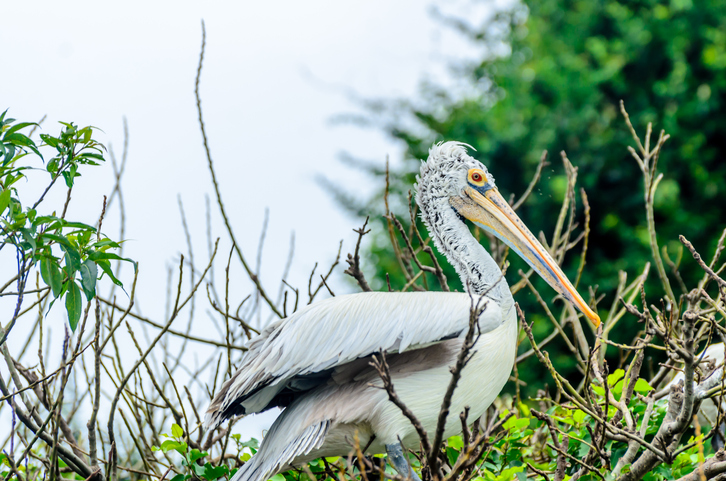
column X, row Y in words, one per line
column 552, row 78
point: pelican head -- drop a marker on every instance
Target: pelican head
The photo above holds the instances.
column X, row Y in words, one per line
column 453, row 180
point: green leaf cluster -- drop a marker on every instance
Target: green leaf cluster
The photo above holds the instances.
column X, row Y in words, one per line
column 29, row 469
column 191, row 458
column 69, row 254
column 525, row 440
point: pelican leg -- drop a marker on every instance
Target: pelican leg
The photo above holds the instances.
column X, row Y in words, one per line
column 398, row 460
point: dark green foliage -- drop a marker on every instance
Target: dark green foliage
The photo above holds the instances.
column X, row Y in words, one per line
column 555, row 84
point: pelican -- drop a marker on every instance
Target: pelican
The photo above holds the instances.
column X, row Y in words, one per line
column 315, row 363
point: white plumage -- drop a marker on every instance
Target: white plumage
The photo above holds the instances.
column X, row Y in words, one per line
column 336, row 331
column 315, row 363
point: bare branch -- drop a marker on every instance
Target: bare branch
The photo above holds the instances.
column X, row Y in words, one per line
column 353, row 261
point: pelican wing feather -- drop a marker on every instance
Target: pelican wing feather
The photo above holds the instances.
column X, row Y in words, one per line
column 305, row 348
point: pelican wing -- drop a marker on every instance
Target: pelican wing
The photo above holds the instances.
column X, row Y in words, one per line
column 302, row 350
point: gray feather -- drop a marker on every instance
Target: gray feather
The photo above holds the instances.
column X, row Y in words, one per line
column 274, row 456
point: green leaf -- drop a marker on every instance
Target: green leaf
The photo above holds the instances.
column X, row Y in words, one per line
column 28, row 237
column 89, row 275
column 456, row 442
column 50, row 140
column 641, row 385
column 211, row 472
column 4, row 200
column 79, row 225
column 99, row 255
column 62, row 240
column 105, row 243
column 177, row 431
column 18, row 139
column 181, row 477
column 515, row 423
column 252, row 443
column 616, row 376
column 83, row 237
column 578, row 416
column 51, row 273
column 73, row 305
column 73, row 261
column 10, row 153
column 106, row 267
column 18, row 126
column 196, row 454
column 11, row 179
column 452, row 454
column 69, row 175
column 172, row 444
column 277, row 477
column 91, row 155
column 45, row 219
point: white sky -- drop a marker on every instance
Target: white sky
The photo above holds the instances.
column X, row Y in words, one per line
column 274, row 75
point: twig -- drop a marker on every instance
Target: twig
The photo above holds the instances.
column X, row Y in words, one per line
column 697, row 257
column 380, row 364
column 561, row 463
column 353, row 261
column 253, row 277
column 533, row 183
column 472, row 335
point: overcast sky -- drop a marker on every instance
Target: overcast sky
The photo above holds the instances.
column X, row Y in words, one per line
column 274, row 75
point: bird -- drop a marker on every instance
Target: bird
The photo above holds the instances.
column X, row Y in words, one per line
column 316, row 363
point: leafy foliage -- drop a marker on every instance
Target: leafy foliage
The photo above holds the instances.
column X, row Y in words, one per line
column 191, row 458
column 551, row 78
column 69, row 253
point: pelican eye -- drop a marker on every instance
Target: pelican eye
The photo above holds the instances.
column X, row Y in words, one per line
column 477, row 177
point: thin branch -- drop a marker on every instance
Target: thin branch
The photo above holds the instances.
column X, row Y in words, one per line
column 353, row 261
column 252, row 275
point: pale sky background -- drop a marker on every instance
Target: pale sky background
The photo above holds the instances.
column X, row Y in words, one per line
column 275, row 73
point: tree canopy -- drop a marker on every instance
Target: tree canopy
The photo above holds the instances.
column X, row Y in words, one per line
column 552, row 77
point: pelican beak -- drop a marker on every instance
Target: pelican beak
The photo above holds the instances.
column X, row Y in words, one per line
column 491, row 212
